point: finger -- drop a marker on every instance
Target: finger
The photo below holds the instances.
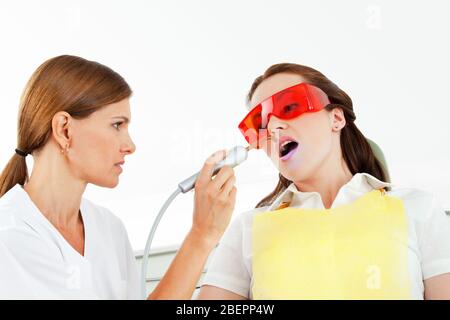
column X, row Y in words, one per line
column 228, row 186
column 222, row 176
column 225, row 197
column 232, row 197
column 207, row 170
column 233, row 193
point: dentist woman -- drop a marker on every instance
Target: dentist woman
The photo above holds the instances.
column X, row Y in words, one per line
column 55, row 244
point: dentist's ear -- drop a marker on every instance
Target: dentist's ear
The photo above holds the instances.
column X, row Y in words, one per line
column 61, row 130
column 337, row 119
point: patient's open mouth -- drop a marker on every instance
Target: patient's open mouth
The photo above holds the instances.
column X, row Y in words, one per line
column 287, row 148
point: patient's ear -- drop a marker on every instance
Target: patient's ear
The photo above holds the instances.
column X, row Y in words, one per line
column 337, row 119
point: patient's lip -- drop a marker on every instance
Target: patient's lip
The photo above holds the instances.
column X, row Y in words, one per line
column 282, row 140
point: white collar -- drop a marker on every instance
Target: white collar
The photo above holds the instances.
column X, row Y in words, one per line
column 25, row 209
column 358, row 185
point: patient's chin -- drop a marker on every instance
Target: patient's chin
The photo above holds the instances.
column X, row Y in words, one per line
column 297, row 174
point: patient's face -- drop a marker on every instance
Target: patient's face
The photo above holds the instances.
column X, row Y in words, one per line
column 300, row 146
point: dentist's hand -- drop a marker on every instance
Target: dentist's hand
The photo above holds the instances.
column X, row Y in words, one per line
column 214, row 200
column 213, row 205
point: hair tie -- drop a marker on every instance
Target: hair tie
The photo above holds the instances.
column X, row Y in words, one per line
column 21, row 153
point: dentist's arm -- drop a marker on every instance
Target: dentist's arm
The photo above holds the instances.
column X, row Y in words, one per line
column 213, row 205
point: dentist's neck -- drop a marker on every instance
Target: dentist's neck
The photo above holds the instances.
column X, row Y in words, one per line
column 333, row 173
column 53, row 188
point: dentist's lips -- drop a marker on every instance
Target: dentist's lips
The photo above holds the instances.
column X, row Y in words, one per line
column 119, row 165
column 287, row 146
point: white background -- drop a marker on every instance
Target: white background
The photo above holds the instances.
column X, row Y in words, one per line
column 191, row 63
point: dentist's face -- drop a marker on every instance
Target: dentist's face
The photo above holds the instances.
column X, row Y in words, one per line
column 100, row 143
column 298, row 147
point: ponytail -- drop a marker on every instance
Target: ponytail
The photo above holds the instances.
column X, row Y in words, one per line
column 15, row 172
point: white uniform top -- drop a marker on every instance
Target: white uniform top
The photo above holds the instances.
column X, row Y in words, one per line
column 428, row 235
column 36, row 262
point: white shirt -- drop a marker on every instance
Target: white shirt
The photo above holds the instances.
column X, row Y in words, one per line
column 428, row 234
column 38, row 263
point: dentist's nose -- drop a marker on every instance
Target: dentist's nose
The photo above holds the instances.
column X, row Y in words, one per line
column 128, row 147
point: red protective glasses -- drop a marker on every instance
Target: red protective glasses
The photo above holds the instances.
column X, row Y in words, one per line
column 286, row 104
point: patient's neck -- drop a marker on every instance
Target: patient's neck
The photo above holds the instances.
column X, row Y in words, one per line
column 327, row 181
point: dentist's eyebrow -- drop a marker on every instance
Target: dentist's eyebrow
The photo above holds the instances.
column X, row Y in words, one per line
column 125, row 119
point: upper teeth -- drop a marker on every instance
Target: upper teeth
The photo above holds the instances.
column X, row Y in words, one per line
column 285, row 143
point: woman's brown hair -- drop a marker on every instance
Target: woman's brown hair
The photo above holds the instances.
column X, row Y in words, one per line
column 356, row 150
column 64, row 83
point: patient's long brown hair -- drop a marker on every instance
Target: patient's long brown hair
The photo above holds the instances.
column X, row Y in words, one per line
column 356, row 150
column 64, row 83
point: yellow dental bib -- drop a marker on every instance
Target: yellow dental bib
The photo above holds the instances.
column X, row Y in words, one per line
column 354, row 251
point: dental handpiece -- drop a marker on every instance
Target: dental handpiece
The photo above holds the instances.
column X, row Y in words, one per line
column 234, row 157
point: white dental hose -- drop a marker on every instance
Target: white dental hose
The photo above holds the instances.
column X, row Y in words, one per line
column 234, row 157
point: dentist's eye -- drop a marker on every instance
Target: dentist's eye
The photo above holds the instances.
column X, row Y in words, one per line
column 117, row 125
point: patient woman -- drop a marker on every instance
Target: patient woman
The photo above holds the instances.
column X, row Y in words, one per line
column 55, row 244
column 332, row 228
